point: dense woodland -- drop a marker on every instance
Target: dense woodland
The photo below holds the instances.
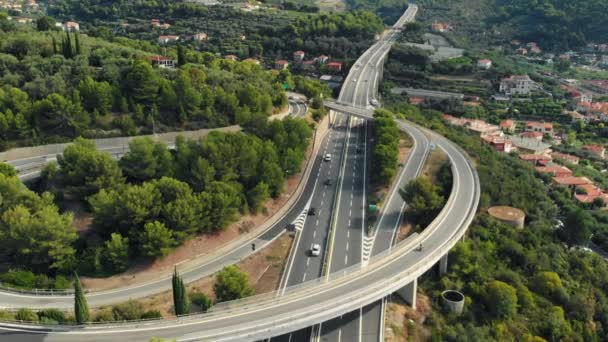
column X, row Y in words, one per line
column 520, row 285
column 145, row 204
column 267, row 33
column 56, row 86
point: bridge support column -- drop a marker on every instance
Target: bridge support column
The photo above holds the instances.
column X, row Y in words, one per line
column 443, row 265
column 408, row 293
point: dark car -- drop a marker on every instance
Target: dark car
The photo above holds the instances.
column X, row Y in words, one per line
column 328, row 182
column 312, row 211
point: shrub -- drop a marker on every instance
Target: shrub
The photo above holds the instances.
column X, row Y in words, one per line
column 53, row 315
column 19, row 278
column 201, row 299
column 151, row 314
column 104, row 315
column 26, row 315
column 127, row 311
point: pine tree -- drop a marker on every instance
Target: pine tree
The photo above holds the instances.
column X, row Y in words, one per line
column 81, row 308
column 181, row 303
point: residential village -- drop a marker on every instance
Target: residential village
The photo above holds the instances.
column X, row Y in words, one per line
column 526, row 139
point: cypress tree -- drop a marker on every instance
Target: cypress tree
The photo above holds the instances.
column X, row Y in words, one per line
column 181, row 55
column 77, row 43
column 54, row 46
column 180, row 297
column 81, row 308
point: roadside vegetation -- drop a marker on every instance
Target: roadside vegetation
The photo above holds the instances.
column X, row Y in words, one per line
column 263, row 33
column 520, row 285
column 57, row 86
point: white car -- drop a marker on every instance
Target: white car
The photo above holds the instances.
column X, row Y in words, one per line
column 373, row 102
column 315, row 249
column 327, row 157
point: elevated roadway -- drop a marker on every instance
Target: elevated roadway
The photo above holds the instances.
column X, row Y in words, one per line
column 318, row 300
column 313, row 302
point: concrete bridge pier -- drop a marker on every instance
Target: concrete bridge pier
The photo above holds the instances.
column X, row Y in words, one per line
column 408, row 293
column 443, row 265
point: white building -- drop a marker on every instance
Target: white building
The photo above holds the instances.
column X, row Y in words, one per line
column 517, row 85
column 167, row 39
column 484, row 64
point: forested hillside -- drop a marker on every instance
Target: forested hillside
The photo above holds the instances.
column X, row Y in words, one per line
column 262, row 33
column 554, row 24
column 55, row 86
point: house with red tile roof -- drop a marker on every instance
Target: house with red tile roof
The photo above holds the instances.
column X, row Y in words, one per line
column 543, row 127
column 499, row 143
column 484, row 64
column 565, row 157
column 536, row 159
column 555, row 170
column 538, row 136
column 281, row 64
column 167, row 39
column 597, row 150
column 231, row 57
column 298, row 56
column 571, row 181
column 508, row 126
column 441, row 27
column 587, row 193
column 162, row 61
column 335, row 66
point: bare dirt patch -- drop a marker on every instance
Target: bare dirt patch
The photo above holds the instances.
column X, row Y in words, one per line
column 264, row 269
column 402, row 323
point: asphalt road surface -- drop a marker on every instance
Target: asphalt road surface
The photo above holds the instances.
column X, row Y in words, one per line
column 265, row 316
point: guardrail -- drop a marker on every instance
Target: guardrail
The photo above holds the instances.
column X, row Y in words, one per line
column 318, row 311
column 242, row 240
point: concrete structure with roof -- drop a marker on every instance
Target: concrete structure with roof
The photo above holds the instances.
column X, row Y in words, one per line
column 517, row 85
column 509, row 215
column 530, row 146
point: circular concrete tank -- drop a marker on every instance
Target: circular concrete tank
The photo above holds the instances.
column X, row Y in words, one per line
column 509, row 215
column 453, row 301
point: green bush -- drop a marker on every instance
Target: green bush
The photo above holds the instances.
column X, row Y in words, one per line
column 28, row 280
column 201, row 299
column 19, row 278
column 51, row 315
column 26, row 315
column 151, row 314
column 127, row 311
column 104, row 315
column 7, row 315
